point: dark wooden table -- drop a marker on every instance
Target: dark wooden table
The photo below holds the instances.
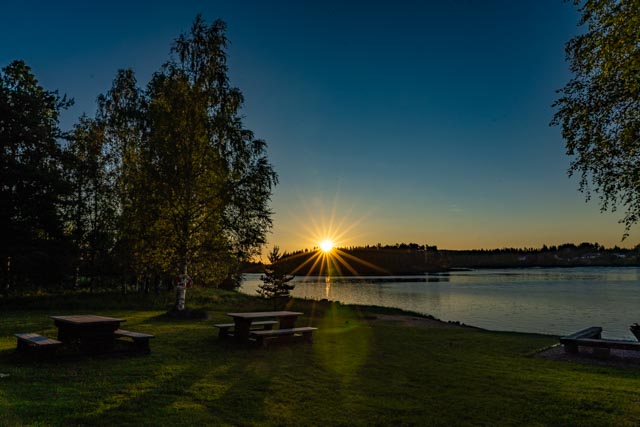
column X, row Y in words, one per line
column 243, row 321
column 91, row 333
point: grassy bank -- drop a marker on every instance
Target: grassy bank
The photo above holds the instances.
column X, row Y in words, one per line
column 358, row 371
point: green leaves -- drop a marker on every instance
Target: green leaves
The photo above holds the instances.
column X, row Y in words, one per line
column 162, row 181
column 599, row 108
column 186, row 157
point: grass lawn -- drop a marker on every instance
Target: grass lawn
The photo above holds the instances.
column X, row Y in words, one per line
column 358, row 371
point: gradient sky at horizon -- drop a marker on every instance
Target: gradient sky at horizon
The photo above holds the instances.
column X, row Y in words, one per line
column 403, row 121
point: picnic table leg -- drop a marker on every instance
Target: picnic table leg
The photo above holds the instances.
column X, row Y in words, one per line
column 571, row 348
column 261, row 342
column 288, row 322
column 62, row 333
column 224, row 332
column 242, row 328
column 97, row 345
column 306, row 336
column 22, row 346
column 142, row 346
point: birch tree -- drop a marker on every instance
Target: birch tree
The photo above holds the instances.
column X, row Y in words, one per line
column 213, row 178
column 195, row 181
column 599, row 108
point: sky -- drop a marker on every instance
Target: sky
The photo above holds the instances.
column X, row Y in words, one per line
column 386, row 121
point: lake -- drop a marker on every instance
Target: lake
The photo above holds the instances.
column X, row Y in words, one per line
column 555, row 301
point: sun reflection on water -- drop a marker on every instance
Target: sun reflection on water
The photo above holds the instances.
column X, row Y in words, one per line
column 327, row 287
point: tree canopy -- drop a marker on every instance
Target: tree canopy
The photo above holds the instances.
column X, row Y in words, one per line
column 194, row 183
column 599, row 108
column 165, row 181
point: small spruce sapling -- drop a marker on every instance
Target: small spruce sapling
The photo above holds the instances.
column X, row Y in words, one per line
column 275, row 284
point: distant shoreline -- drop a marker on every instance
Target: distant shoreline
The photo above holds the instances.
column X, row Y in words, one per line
column 425, row 276
column 414, row 259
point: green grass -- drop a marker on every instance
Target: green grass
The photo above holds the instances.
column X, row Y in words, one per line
column 357, row 372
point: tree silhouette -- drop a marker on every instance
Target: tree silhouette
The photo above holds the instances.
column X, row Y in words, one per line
column 32, row 183
column 599, row 108
column 275, row 286
column 194, row 183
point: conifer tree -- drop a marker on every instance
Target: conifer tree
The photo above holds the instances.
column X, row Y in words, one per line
column 275, row 286
column 33, row 187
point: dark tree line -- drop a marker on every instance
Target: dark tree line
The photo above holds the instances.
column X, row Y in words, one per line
column 33, row 186
column 413, row 258
column 163, row 185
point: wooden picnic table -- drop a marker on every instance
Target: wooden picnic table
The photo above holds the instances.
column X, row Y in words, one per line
column 91, row 333
column 243, row 321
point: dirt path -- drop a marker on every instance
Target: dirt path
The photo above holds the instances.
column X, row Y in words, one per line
column 618, row 358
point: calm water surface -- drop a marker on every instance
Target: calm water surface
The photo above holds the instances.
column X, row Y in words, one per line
column 549, row 301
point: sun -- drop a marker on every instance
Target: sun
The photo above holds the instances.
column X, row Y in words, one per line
column 326, row 245
column 326, row 234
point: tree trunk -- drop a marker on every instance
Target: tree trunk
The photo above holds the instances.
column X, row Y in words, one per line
column 183, row 257
column 182, row 292
column 182, row 286
column 158, row 285
column 76, row 278
column 7, row 283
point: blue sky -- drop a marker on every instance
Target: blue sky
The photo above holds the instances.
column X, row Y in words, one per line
column 387, row 122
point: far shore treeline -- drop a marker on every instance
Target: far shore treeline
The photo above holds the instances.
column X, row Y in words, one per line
column 412, row 258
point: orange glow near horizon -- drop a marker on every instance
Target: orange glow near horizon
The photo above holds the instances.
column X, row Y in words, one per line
column 320, row 228
column 333, row 262
column 326, row 235
column 329, row 259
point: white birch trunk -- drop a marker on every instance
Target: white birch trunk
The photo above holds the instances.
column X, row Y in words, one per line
column 182, row 292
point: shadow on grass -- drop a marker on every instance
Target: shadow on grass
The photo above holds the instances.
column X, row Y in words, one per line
column 358, row 371
column 123, row 390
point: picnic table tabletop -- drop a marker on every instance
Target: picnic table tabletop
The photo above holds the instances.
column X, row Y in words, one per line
column 262, row 314
column 84, row 319
column 243, row 321
column 93, row 334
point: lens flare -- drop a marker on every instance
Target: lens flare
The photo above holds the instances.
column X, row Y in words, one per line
column 321, row 228
column 326, row 245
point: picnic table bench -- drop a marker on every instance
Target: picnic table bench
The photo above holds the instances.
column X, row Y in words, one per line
column 243, row 321
column 87, row 333
column 225, row 328
column 140, row 340
column 592, row 337
column 248, row 328
column 304, row 332
column 37, row 345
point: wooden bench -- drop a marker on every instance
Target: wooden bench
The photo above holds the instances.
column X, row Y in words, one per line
column 305, row 332
column 225, row 328
column 591, row 337
column 37, row 345
column 140, row 340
